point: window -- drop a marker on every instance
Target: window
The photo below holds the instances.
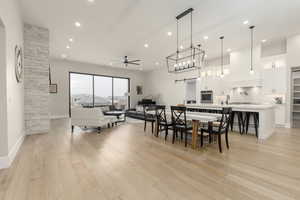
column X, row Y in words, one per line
column 120, row 92
column 88, row 90
column 81, row 87
column 103, row 91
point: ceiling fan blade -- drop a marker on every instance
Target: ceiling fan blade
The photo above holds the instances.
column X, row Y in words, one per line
column 134, row 61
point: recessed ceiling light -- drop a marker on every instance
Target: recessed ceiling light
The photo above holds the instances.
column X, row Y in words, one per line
column 68, row 47
column 91, row 1
column 169, row 33
column 146, row 45
column 245, row 22
column 63, row 55
column 205, row 37
column 263, row 41
column 181, row 47
column 77, row 24
column 228, row 50
column 205, row 56
column 71, row 40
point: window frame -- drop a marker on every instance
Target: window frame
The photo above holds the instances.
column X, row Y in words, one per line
column 93, row 85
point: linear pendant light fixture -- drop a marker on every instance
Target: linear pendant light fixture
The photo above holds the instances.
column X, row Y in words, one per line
column 188, row 59
column 222, row 56
column 251, row 49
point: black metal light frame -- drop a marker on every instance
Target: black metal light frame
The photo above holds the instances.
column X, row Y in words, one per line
column 195, row 53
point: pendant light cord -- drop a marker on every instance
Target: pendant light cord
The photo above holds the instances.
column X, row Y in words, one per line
column 177, row 42
column 191, row 30
column 251, row 53
column 222, row 56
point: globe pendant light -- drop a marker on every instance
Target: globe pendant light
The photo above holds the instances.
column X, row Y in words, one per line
column 251, row 49
column 222, row 57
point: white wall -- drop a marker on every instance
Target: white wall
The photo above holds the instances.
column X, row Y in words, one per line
column 3, row 100
column 10, row 15
column 59, row 103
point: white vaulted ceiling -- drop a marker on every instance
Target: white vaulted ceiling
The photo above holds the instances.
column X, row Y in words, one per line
column 112, row 29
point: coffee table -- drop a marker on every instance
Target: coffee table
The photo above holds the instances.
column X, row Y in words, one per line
column 116, row 113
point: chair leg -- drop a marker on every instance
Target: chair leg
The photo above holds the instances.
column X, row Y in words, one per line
column 240, row 119
column 99, row 129
column 202, row 138
column 72, row 128
column 256, row 121
column 185, row 139
column 145, row 125
column 166, row 136
column 152, row 127
column 181, row 135
column 220, row 144
column 174, row 134
column 226, row 138
column 247, row 122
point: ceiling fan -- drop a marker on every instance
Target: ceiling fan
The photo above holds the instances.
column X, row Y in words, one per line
column 130, row 62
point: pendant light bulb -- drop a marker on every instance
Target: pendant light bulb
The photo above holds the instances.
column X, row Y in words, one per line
column 251, row 71
column 222, row 75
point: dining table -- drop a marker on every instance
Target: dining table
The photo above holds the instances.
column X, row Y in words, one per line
column 197, row 118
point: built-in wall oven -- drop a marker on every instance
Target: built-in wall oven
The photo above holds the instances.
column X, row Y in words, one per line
column 207, row 96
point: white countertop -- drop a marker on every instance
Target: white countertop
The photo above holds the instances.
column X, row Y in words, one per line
column 234, row 106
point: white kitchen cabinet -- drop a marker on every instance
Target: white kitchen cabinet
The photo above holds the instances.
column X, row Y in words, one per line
column 280, row 115
column 274, row 80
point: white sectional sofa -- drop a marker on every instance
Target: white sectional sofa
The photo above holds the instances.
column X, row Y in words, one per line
column 91, row 117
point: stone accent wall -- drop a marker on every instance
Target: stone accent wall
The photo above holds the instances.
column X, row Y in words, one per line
column 36, row 79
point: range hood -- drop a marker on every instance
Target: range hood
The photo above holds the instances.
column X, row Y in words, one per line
column 247, row 83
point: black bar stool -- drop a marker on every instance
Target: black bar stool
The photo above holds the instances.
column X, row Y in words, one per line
column 241, row 121
column 255, row 116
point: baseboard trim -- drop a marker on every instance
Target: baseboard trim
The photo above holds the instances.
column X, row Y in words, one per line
column 15, row 149
column 6, row 161
column 288, row 125
column 59, row 117
column 281, row 126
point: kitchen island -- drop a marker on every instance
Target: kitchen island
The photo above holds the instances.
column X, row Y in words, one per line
column 266, row 113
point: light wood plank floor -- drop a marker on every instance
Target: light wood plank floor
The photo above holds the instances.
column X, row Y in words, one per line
column 126, row 163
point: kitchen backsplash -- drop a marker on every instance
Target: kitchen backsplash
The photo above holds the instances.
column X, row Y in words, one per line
column 253, row 95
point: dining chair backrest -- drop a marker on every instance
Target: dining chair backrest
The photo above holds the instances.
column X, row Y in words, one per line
column 148, row 108
column 226, row 119
column 160, row 112
column 178, row 116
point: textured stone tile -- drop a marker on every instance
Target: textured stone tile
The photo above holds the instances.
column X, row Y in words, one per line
column 36, row 79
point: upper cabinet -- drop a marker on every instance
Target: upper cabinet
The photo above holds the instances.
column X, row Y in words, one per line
column 274, row 74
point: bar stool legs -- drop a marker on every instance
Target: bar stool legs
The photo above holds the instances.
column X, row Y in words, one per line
column 240, row 119
column 255, row 121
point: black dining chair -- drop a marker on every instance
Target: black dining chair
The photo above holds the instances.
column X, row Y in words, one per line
column 149, row 117
column 221, row 128
column 179, row 123
column 162, row 121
